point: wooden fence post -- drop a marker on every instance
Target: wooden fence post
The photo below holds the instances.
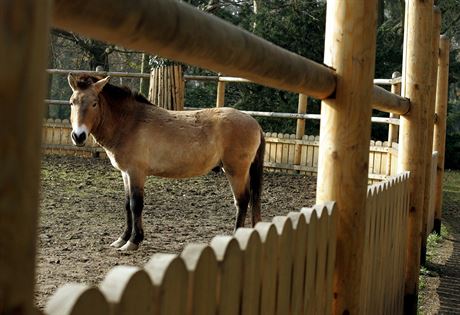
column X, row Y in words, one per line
column 440, row 124
column 393, row 130
column 344, row 139
column 145, row 68
column 300, row 128
column 436, row 28
column 167, row 87
column 220, row 99
column 24, row 33
column 412, row 132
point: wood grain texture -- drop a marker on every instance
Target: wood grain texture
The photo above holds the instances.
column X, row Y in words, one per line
column 344, row 138
column 163, row 27
column 412, row 134
column 439, row 137
column 24, row 27
column 436, row 28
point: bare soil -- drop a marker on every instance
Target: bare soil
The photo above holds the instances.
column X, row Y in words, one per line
column 82, row 212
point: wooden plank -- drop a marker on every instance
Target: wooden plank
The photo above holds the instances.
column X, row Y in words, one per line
column 77, row 299
column 128, row 290
column 270, row 256
column 293, row 150
column 250, row 244
column 331, row 251
column 170, row 284
column 322, row 239
column 310, row 302
column 201, row 265
column 300, row 236
column 286, row 250
column 230, row 272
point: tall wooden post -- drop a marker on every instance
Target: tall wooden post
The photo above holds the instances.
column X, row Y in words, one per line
column 344, row 139
column 167, row 88
column 300, row 127
column 412, row 132
column 436, row 28
column 24, row 28
column 393, row 130
column 220, row 99
column 145, row 68
column 439, row 137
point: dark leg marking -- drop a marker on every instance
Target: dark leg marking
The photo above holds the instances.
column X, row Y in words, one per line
column 129, row 221
column 136, row 203
column 241, row 203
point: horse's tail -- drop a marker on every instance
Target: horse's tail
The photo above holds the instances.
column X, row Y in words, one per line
column 255, row 177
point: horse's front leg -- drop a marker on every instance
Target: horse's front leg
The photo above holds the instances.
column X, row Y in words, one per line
column 136, row 205
column 123, row 239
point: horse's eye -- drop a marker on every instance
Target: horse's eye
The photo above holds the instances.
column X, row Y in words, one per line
column 94, row 105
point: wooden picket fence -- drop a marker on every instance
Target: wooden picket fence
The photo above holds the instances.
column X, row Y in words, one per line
column 281, row 149
column 279, row 267
column 385, row 246
column 279, row 152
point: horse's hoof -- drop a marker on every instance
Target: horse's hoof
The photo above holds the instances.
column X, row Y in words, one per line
column 129, row 246
column 118, row 243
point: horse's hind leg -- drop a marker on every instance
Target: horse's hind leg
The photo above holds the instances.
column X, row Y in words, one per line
column 240, row 189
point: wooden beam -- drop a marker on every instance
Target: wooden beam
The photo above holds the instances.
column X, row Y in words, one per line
column 220, row 98
column 178, row 31
column 24, row 32
column 436, row 28
column 440, row 124
column 386, row 101
column 393, row 129
column 300, row 127
column 344, row 138
column 412, row 134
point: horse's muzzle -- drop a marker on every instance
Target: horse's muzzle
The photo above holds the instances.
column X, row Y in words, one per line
column 78, row 139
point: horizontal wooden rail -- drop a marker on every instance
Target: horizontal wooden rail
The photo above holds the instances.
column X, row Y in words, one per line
column 379, row 120
column 386, row 101
column 387, row 81
column 382, row 100
column 165, row 27
column 102, row 73
column 187, row 77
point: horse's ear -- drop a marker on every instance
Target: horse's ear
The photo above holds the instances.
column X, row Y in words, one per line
column 72, row 82
column 99, row 85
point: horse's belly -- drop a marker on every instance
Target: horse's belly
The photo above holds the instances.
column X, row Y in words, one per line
column 183, row 166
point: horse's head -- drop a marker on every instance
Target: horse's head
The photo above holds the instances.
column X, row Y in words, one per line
column 85, row 108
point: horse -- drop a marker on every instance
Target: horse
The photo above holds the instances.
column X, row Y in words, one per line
column 142, row 139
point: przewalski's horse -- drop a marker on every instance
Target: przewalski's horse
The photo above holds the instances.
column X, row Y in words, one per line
column 142, row 139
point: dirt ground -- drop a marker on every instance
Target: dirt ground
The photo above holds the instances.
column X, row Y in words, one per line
column 82, row 212
column 440, row 279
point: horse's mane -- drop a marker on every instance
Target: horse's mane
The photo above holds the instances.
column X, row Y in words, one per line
column 112, row 92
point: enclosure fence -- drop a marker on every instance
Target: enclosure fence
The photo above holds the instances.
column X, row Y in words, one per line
column 319, row 251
